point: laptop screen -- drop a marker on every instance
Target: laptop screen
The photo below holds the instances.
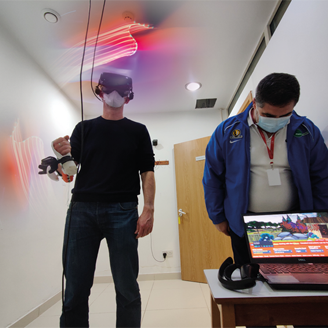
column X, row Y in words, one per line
column 287, row 235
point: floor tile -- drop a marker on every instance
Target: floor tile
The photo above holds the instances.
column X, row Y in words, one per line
column 176, row 299
column 145, row 294
column 146, row 284
column 99, row 288
column 105, row 302
column 175, row 284
column 93, row 297
column 102, row 320
column 178, row 318
column 207, row 295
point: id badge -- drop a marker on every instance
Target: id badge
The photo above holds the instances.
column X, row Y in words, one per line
column 274, row 177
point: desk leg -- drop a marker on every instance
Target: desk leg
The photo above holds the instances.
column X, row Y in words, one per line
column 216, row 316
column 228, row 315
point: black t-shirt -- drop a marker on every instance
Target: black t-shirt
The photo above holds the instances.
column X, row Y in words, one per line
column 114, row 154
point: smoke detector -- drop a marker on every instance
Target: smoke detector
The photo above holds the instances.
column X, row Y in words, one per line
column 128, row 16
column 50, row 16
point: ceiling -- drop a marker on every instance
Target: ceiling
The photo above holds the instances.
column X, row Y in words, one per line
column 210, row 42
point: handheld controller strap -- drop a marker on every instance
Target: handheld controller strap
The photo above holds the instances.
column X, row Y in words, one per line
column 67, row 162
column 49, row 166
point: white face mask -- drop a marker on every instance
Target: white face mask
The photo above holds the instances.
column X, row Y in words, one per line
column 113, row 99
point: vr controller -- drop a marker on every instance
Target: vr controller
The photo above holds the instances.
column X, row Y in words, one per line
column 67, row 162
column 248, row 272
column 49, row 166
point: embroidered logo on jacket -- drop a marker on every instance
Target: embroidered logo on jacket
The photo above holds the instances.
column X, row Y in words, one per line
column 235, row 136
column 298, row 133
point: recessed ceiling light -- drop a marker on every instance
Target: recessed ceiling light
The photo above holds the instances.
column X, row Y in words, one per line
column 51, row 16
column 193, row 86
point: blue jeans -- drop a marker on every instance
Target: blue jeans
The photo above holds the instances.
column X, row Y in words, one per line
column 88, row 224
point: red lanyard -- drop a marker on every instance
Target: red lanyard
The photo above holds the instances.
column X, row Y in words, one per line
column 271, row 149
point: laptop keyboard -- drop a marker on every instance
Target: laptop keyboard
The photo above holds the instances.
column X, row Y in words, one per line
column 294, row 268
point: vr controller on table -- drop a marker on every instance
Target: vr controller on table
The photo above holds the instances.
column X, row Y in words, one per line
column 49, row 166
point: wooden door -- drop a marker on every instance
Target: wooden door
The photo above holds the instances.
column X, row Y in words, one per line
column 202, row 246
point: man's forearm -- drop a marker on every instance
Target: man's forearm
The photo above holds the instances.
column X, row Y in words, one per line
column 148, row 188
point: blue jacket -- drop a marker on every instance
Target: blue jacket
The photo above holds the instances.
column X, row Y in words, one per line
column 227, row 168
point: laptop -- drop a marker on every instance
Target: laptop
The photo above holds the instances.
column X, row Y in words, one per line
column 291, row 248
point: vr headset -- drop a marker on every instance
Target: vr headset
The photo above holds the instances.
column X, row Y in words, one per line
column 248, row 273
column 110, row 82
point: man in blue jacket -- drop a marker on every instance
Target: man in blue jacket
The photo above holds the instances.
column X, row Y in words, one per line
column 266, row 159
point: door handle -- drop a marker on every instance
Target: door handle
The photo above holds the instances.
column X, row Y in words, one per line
column 181, row 212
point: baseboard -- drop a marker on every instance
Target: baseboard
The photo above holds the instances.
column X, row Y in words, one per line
column 32, row 315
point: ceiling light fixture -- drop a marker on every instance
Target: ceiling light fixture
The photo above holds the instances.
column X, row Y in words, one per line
column 128, row 16
column 193, row 86
column 50, row 16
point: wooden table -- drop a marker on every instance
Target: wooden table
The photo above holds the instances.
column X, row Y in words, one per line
column 263, row 306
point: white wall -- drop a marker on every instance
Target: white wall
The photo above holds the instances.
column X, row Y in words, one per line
column 299, row 47
column 32, row 113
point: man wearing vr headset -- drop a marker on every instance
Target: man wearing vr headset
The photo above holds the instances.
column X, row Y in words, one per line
column 115, row 153
column 265, row 159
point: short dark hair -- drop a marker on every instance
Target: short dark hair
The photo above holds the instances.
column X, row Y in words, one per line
column 277, row 89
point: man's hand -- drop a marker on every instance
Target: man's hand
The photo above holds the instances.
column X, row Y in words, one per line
column 146, row 219
column 62, row 145
column 145, row 222
column 223, row 227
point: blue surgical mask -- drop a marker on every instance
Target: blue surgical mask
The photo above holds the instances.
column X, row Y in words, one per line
column 271, row 124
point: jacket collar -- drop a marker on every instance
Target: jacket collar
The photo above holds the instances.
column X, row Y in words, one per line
column 296, row 120
column 245, row 113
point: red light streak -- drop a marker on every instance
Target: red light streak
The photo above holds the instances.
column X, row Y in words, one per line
column 113, row 44
column 27, row 153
